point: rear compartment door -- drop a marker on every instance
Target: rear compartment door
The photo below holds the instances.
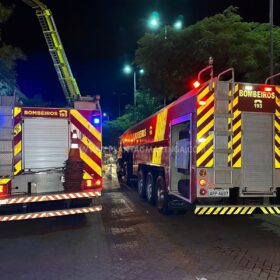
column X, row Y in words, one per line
column 257, row 153
column 45, row 143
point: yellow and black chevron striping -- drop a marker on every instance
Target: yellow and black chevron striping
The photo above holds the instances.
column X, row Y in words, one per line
column 159, row 136
column 270, row 210
column 17, row 141
column 234, row 125
column 90, row 142
column 205, row 124
column 4, row 181
column 277, row 128
column 224, row 210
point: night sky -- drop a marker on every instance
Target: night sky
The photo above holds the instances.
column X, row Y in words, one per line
column 99, row 37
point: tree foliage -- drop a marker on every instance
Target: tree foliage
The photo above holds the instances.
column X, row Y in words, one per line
column 146, row 106
column 171, row 64
column 8, row 56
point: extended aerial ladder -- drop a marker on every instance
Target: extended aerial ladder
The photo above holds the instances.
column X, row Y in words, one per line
column 60, row 61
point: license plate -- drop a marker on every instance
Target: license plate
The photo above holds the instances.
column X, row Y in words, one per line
column 218, row 193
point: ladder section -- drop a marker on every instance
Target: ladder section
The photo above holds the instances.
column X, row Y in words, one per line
column 6, row 135
column 222, row 133
column 60, row 61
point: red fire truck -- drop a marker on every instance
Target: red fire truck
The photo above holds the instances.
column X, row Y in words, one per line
column 35, row 143
column 215, row 149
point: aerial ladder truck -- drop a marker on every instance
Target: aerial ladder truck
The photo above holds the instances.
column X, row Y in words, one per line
column 37, row 143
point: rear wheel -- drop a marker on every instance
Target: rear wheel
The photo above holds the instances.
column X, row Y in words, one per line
column 161, row 196
column 126, row 175
column 150, row 189
column 141, row 184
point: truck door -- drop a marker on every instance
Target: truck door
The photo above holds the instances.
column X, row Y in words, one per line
column 257, row 154
column 180, row 155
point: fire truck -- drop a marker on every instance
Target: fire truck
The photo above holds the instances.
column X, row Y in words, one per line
column 35, row 144
column 215, row 150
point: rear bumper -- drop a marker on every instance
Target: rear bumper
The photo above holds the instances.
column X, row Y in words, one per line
column 48, row 205
column 205, row 210
column 49, row 214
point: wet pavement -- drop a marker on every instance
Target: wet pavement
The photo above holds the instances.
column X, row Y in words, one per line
column 129, row 239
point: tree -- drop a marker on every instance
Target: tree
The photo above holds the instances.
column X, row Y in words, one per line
column 171, row 64
column 146, row 106
column 8, row 57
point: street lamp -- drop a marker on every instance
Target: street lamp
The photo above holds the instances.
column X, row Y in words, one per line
column 128, row 70
column 178, row 25
column 154, row 23
column 105, row 115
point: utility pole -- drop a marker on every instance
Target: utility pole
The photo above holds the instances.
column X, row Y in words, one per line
column 271, row 66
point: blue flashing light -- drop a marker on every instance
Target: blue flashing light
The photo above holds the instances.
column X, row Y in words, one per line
column 96, row 120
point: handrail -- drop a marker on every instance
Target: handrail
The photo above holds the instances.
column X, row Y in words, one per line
column 271, row 77
column 225, row 72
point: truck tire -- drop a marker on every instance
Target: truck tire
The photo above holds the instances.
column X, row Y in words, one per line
column 150, row 189
column 161, row 196
column 126, row 174
column 141, row 184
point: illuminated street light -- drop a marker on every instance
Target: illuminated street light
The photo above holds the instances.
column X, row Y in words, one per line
column 154, row 20
column 154, row 23
column 178, row 25
column 127, row 69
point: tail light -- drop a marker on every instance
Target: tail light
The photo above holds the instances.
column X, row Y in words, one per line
column 202, row 172
column 5, row 189
column 203, row 191
column 202, row 182
column 98, row 183
column 91, row 183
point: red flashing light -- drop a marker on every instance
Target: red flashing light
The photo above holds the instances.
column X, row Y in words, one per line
column 202, row 182
column 268, row 89
column 196, row 84
column 2, row 189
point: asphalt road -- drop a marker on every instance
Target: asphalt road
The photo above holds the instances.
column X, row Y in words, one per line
column 130, row 240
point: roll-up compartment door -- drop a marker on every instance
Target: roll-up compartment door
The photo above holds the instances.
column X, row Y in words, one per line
column 45, row 143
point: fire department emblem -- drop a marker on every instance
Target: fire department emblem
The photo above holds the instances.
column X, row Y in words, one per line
column 63, row 113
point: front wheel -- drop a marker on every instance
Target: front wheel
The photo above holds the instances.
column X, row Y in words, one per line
column 161, row 196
